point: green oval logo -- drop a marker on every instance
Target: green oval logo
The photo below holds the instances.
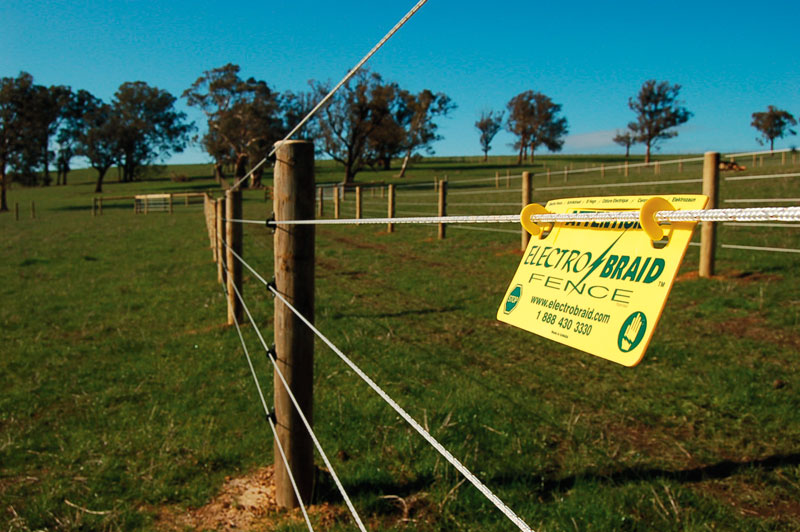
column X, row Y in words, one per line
column 632, row 332
column 513, row 299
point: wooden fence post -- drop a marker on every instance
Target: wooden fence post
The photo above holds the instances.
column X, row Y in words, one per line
column 566, row 174
column 442, row 207
column 680, row 167
column 321, row 202
column 783, row 158
column 508, row 178
column 527, row 195
column 358, row 202
column 233, row 239
column 626, row 168
column 548, row 176
column 602, row 170
column 294, row 342
column 497, row 179
column 219, row 207
column 390, row 226
column 708, row 233
column 754, row 160
column 336, row 202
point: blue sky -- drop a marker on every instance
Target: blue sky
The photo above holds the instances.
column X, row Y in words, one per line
column 731, row 58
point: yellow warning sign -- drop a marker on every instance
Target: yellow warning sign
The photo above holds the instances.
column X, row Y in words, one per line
column 599, row 286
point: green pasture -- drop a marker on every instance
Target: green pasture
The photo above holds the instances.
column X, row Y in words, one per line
column 123, row 392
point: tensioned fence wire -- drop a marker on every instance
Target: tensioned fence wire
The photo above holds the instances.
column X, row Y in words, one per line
column 377, row 389
column 352, row 72
column 753, row 214
column 269, row 417
column 294, row 401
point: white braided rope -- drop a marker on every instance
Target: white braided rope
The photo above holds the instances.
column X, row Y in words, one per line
column 756, row 214
column 411, row 421
column 299, row 410
column 345, row 79
column 269, row 419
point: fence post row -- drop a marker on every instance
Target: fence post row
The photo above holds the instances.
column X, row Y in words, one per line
column 442, row 207
column 294, row 342
column 219, row 208
column 390, row 226
column 233, row 237
column 527, row 195
column 358, row 201
column 708, row 231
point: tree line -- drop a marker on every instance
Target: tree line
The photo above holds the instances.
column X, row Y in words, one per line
column 535, row 120
column 368, row 123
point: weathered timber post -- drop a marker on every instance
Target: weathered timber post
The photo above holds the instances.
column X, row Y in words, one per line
column 442, row 208
column 626, row 168
column 680, row 167
column 390, row 226
column 527, row 195
column 294, row 342
column 508, row 178
column 170, row 203
column 219, row 208
column 359, row 198
column 212, row 206
column 548, row 176
column 336, row 202
column 602, row 170
column 497, row 179
column 321, row 202
column 566, row 174
column 233, row 239
column 754, row 160
column 146, row 204
column 708, row 232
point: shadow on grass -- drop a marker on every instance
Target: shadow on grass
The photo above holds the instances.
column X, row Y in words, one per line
column 717, row 471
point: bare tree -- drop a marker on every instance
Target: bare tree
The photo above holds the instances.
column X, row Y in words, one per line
column 533, row 118
column 489, row 125
column 354, row 113
column 243, row 117
column 658, row 111
column 625, row 139
column 773, row 124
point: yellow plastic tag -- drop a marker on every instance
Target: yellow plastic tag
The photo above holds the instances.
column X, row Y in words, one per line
column 600, row 286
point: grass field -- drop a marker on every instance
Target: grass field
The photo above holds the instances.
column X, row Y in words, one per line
column 125, row 394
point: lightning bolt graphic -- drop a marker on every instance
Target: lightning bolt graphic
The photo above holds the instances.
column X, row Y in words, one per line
column 596, row 264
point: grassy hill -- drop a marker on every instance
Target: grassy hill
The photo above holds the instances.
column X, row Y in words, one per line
column 125, row 394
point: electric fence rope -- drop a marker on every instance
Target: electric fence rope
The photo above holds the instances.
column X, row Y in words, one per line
column 754, row 214
column 352, row 72
column 410, row 420
column 377, row 389
column 299, row 410
column 269, row 420
column 765, row 176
